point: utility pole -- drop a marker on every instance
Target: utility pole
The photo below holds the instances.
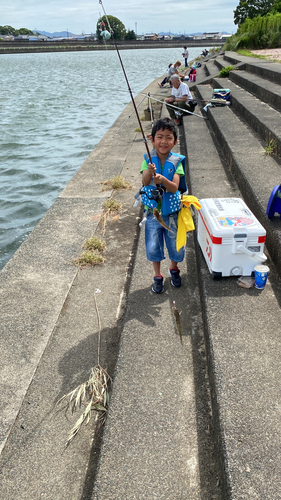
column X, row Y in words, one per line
column 136, row 27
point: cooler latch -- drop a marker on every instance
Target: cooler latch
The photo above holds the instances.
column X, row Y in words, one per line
column 239, row 240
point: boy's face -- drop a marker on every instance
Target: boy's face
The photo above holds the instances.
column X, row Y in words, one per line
column 163, row 142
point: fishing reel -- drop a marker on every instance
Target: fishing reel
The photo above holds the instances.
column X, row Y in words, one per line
column 154, row 194
column 150, row 195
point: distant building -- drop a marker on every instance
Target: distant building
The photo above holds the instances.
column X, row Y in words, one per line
column 179, row 37
column 43, row 38
column 8, row 38
column 38, row 38
column 150, row 36
column 22, row 37
column 209, row 36
column 91, row 37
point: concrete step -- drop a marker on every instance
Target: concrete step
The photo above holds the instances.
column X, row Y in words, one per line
column 255, row 173
column 261, row 117
column 156, row 442
column 221, row 62
column 263, row 89
column 265, row 69
column 211, row 69
column 241, row 326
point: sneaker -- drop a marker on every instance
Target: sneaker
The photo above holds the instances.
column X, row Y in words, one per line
column 157, row 286
column 176, row 279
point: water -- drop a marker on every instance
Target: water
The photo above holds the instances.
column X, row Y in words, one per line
column 55, row 108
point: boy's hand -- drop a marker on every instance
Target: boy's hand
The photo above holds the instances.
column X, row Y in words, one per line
column 151, row 169
column 158, row 179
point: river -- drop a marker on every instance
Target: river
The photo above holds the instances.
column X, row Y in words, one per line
column 55, row 108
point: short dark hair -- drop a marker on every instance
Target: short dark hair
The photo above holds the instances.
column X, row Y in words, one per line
column 163, row 124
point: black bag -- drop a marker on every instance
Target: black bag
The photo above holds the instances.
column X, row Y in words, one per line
column 192, row 104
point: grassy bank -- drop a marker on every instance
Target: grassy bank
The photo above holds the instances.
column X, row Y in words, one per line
column 257, row 33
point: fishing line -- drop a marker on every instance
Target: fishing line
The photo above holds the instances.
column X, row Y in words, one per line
column 129, row 116
column 127, row 81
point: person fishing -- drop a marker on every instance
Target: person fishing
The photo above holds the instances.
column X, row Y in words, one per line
column 181, row 98
column 161, row 180
column 185, row 56
column 173, row 69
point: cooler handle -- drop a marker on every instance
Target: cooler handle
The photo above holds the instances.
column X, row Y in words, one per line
column 260, row 258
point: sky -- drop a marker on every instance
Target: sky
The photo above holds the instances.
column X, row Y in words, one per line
column 142, row 16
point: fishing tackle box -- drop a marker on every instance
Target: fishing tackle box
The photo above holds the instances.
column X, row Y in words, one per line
column 230, row 236
column 221, row 97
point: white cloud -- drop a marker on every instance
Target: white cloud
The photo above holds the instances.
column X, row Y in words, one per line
column 82, row 15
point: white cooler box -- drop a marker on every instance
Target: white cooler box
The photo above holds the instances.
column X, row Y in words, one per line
column 231, row 238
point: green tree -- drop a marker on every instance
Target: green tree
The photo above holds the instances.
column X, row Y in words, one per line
column 276, row 7
column 251, row 8
column 7, row 30
column 130, row 35
column 25, row 31
column 119, row 30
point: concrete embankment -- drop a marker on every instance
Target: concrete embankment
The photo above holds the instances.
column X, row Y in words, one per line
column 74, row 46
column 49, row 324
column 169, row 432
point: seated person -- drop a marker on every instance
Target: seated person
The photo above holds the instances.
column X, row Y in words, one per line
column 185, row 76
column 181, row 97
column 173, row 69
column 193, row 70
column 166, row 77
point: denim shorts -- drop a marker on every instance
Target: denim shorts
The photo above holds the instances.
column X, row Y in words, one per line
column 155, row 234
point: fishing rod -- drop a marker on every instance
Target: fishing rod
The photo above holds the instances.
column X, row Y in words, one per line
column 127, row 81
column 130, row 116
column 137, row 92
column 175, row 107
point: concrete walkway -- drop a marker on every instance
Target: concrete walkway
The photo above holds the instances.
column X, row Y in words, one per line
column 49, row 332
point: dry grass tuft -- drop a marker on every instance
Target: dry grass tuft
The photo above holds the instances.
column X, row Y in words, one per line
column 92, row 255
column 94, row 243
column 117, row 182
column 92, row 396
column 112, row 208
column 112, row 205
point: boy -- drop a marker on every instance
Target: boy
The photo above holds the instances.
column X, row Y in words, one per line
column 163, row 175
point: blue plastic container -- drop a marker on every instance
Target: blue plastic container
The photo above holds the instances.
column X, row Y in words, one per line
column 261, row 274
column 274, row 202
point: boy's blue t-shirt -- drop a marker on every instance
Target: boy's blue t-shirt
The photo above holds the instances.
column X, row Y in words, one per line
column 179, row 171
